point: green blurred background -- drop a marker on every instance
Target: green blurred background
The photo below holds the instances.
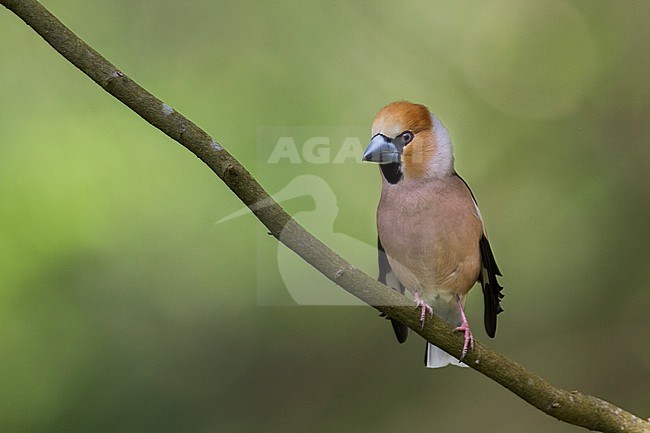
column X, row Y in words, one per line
column 123, row 307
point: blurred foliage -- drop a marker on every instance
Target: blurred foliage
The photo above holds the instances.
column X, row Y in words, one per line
column 123, row 307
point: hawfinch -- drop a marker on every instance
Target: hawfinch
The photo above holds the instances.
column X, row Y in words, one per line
column 431, row 235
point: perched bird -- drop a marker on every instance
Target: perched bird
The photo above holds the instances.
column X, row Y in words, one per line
column 431, row 233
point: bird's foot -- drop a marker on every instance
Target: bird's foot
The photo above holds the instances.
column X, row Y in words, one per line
column 424, row 307
column 469, row 338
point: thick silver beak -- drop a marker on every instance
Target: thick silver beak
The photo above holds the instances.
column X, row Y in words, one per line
column 381, row 151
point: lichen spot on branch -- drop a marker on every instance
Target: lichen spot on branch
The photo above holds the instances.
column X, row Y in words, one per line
column 216, row 146
column 167, row 110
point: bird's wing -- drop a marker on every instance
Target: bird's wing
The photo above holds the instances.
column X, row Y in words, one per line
column 387, row 277
column 488, row 278
column 491, row 289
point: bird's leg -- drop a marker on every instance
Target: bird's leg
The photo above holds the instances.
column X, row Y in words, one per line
column 464, row 327
column 421, row 303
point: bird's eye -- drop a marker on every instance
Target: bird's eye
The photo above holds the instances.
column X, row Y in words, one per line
column 407, row 137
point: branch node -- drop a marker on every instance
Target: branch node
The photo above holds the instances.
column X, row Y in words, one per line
column 229, row 170
column 116, row 74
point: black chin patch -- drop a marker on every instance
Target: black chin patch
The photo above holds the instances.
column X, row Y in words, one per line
column 392, row 172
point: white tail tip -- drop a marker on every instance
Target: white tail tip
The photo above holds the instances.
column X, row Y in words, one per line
column 437, row 358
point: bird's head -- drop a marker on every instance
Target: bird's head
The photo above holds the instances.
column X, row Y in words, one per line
column 410, row 142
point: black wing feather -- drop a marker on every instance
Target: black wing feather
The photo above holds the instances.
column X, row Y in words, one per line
column 491, row 289
column 401, row 330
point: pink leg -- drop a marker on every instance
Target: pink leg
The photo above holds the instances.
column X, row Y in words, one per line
column 421, row 303
column 464, row 327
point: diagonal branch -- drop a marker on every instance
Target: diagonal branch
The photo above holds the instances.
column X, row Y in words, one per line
column 572, row 407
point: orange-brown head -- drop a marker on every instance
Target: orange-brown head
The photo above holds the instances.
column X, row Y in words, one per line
column 412, row 141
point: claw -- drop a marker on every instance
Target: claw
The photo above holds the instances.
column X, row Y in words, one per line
column 469, row 339
column 424, row 307
column 464, row 327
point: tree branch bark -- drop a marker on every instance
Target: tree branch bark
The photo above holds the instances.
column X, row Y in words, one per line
column 572, row 407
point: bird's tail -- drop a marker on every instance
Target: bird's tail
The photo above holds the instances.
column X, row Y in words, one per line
column 434, row 357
